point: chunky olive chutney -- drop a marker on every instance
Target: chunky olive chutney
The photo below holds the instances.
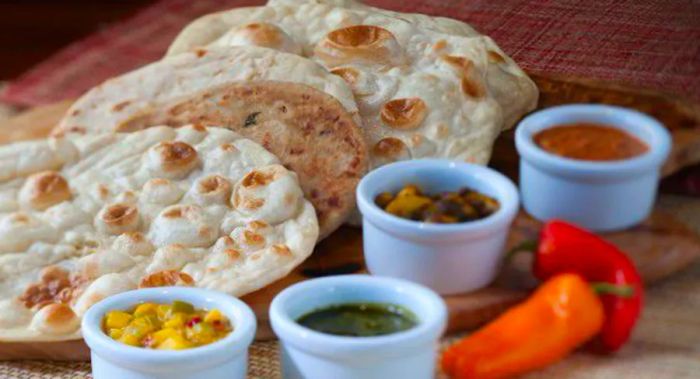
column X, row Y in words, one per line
column 444, row 208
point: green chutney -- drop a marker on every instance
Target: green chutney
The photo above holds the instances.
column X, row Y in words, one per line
column 359, row 319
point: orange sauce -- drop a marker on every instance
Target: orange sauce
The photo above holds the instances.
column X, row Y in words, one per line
column 590, row 142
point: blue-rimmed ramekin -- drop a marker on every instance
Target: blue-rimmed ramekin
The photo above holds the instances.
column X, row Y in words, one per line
column 600, row 196
column 223, row 359
column 448, row 258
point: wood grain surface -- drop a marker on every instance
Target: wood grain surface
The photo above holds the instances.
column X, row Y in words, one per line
column 681, row 116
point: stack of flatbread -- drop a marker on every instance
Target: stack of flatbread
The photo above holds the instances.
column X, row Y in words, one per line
column 221, row 165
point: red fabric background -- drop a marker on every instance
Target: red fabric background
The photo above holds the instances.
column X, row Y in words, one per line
column 652, row 43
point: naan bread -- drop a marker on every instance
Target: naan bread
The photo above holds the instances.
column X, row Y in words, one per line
column 85, row 217
column 308, row 130
column 291, row 105
column 116, row 104
column 425, row 87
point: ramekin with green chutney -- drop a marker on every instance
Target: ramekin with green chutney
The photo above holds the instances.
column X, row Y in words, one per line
column 358, row 326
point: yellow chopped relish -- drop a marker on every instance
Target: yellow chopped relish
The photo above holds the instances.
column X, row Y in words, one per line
column 173, row 326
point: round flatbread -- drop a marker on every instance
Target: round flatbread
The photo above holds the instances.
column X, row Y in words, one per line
column 85, row 217
column 116, row 104
column 308, row 130
column 425, row 87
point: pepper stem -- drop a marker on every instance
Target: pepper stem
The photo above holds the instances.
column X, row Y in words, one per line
column 527, row 245
column 620, row 290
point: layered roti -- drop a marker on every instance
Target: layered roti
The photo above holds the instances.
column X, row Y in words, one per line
column 292, row 106
column 85, row 217
column 424, row 87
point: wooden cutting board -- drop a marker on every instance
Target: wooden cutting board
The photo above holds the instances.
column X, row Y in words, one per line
column 660, row 247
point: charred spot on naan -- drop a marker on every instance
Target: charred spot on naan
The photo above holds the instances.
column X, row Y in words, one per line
column 252, row 238
column 471, row 85
column 117, row 218
column 265, row 35
column 167, row 278
column 213, row 189
column 404, row 114
column 389, row 150
column 257, row 178
column 281, row 250
column 349, row 74
column 54, row 286
column 56, row 318
column 367, row 44
column 44, row 189
column 172, row 159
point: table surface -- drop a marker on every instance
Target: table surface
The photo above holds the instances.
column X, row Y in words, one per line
column 666, row 343
column 652, row 43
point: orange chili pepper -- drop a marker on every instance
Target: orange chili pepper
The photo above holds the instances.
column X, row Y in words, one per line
column 562, row 314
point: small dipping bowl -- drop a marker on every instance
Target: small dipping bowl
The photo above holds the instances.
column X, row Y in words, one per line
column 449, row 258
column 309, row 354
column 600, row 196
column 223, row 359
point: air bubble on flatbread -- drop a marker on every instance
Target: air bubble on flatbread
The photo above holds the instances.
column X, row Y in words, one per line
column 388, row 150
column 19, row 230
column 359, row 44
column 161, row 191
column 465, row 70
column 171, row 257
column 172, row 160
column 211, row 190
column 133, row 243
column 43, row 190
column 187, row 225
column 54, row 319
column 404, row 114
column 117, row 218
column 166, row 278
column 266, row 194
column 262, row 34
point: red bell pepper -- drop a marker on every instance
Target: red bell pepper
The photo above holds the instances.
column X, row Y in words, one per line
column 565, row 248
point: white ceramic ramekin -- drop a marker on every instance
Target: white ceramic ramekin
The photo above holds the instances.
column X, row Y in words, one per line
column 309, row 354
column 449, row 258
column 224, row 359
column 601, row 196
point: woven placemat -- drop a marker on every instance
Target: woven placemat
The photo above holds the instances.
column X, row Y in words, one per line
column 651, row 43
column 666, row 345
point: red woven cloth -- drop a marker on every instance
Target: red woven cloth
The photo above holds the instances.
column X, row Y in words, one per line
column 651, row 43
